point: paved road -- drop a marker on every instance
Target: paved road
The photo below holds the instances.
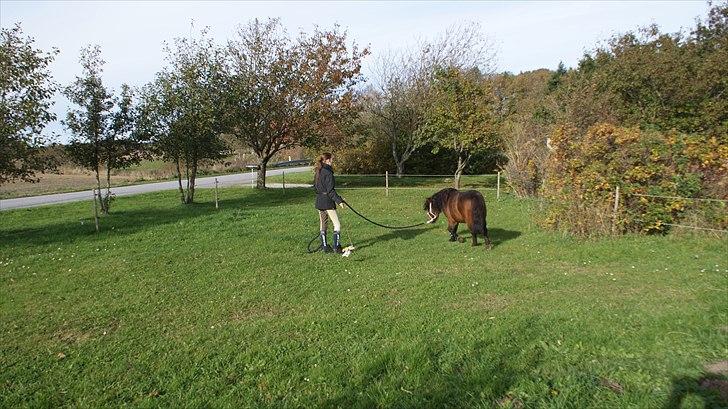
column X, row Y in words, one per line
column 238, row 179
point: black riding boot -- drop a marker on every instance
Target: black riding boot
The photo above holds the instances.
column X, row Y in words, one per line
column 325, row 246
column 337, row 243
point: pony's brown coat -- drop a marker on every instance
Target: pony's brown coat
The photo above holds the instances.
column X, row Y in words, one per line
column 460, row 207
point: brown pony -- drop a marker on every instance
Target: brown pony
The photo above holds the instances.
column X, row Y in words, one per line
column 459, row 207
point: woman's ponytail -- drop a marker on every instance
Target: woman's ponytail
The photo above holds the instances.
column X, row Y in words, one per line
column 320, row 164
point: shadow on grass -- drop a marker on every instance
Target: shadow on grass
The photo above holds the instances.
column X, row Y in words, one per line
column 481, row 376
column 712, row 389
column 405, row 234
column 126, row 221
column 497, row 236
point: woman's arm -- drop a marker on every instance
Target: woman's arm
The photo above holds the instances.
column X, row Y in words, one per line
column 327, row 182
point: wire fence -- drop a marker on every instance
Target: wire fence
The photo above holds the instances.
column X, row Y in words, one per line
column 680, row 198
column 495, row 182
column 386, row 181
column 720, row 202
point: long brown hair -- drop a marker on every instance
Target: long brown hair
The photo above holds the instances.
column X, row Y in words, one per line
column 320, row 163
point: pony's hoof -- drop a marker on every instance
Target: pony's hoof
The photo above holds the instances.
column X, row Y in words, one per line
column 461, row 239
column 488, row 246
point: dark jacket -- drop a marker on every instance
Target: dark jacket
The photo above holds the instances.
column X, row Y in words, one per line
column 326, row 196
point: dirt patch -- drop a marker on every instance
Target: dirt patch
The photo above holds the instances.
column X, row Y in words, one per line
column 717, row 368
column 715, row 379
column 612, row 385
column 718, row 385
column 71, row 336
column 509, row 401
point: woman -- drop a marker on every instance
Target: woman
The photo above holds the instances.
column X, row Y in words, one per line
column 326, row 201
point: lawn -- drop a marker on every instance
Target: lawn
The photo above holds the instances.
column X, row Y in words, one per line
column 189, row 306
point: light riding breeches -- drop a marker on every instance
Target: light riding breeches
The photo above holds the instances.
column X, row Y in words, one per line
column 325, row 216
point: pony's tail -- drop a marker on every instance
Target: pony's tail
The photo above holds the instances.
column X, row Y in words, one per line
column 478, row 212
column 485, row 223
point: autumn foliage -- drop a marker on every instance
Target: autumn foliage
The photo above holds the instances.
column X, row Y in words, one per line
column 585, row 170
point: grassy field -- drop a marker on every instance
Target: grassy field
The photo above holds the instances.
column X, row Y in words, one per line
column 188, row 306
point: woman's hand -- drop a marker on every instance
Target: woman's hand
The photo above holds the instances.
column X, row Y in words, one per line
column 341, row 204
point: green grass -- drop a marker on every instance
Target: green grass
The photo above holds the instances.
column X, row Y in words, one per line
column 188, row 306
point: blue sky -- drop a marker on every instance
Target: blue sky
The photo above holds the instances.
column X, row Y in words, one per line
column 527, row 34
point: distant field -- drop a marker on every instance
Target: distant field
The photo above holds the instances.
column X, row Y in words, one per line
column 72, row 179
column 188, row 306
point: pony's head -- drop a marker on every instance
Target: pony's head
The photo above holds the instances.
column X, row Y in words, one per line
column 434, row 204
column 433, row 207
column 432, row 211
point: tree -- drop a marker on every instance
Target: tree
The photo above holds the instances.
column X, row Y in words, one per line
column 526, row 111
column 26, row 87
column 403, row 84
column 645, row 112
column 283, row 93
column 120, row 148
column 556, row 77
column 654, row 80
column 89, row 123
column 181, row 112
column 461, row 115
column 397, row 108
column 101, row 125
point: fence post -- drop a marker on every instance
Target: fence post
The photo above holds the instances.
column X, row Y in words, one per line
column 252, row 177
column 284, row 182
column 497, row 193
column 386, row 182
column 96, row 211
column 614, row 212
column 216, row 205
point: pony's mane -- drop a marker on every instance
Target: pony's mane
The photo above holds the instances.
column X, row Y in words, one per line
column 439, row 198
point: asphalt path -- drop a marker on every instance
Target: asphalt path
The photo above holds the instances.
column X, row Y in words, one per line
column 238, row 179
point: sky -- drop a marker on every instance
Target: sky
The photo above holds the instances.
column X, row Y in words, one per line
column 527, row 34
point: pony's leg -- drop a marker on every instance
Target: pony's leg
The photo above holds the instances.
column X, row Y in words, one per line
column 488, row 243
column 453, row 229
column 475, row 234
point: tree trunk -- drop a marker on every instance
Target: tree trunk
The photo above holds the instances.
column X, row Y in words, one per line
column 397, row 160
column 107, row 199
column 462, row 163
column 98, row 186
column 191, row 183
column 186, row 198
column 262, row 166
column 179, row 179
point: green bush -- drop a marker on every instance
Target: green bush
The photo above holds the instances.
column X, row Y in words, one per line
column 584, row 171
